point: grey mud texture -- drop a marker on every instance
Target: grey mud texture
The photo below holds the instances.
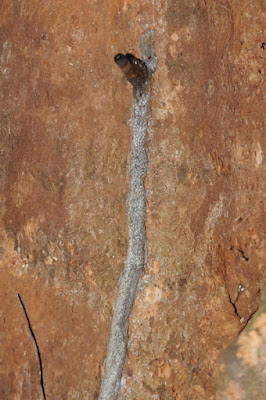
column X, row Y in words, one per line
column 136, row 211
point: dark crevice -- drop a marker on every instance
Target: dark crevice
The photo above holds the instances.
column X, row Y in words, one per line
column 240, row 290
column 251, row 315
column 241, row 252
column 244, row 321
column 234, row 305
column 243, row 255
column 34, row 343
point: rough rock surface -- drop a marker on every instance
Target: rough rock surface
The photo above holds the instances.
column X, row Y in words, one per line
column 64, row 146
column 242, row 365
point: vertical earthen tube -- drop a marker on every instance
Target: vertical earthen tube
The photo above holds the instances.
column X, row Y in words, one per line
column 138, row 73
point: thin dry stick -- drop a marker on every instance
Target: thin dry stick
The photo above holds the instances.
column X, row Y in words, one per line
column 34, row 343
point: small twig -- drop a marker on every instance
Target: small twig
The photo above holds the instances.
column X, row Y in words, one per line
column 34, row 343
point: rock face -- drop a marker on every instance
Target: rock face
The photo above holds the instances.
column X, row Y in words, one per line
column 242, row 365
column 65, row 134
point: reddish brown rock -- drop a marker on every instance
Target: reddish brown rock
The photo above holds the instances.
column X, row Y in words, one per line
column 242, row 365
column 64, row 145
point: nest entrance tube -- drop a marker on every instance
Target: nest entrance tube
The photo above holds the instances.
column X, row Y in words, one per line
column 136, row 212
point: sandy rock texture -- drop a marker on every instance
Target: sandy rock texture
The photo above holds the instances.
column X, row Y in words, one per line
column 64, row 147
